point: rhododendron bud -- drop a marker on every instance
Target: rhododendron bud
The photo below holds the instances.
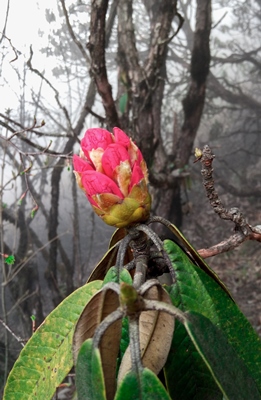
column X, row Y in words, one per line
column 113, row 174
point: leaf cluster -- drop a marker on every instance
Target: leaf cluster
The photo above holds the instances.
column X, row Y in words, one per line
column 192, row 329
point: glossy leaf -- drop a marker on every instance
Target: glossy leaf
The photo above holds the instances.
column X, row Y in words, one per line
column 156, row 331
column 99, row 307
column 47, row 357
column 145, row 386
column 89, row 374
column 227, row 369
column 194, row 290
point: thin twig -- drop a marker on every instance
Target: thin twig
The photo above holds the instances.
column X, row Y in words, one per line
column 23, row 264
column 20, row 340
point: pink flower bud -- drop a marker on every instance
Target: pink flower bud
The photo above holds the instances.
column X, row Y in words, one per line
column 113, row 174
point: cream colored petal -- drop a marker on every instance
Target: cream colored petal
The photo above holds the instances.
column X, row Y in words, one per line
column 96, row 156
column 122, row 176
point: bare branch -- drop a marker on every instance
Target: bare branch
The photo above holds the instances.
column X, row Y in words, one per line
column 12, row 121
column 40, row 74
column 231, row 97
column 12, row 333
column 72, row 34
column 243, row 231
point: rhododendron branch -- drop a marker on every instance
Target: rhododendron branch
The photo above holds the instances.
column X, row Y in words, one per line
column 105, row 324
column 158, row 243
column 124, row 243
column 243, row 231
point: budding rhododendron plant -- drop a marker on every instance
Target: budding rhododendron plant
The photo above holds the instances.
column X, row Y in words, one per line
column 124, row 326
column 112, row 172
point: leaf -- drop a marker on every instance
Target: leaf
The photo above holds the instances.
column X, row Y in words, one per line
column 47, row 357
column 112, row 276
column 125, row 276
column 197, row 258
column 10, row 260
column 99, row 307
column 119, row 234
column 109, row 259
column 103, row 266
column 123, row 101
column 125, row 340
column 89, row 374
column 186, row 374
column 228, row 370
column 196, row 291
column 145, row 386
column 156, row 332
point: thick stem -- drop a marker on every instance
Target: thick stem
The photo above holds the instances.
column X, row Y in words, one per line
column 135, row 344
column 158, row 243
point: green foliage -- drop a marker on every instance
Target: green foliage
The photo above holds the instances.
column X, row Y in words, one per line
column 215, row 354
column 47, row 357
column 10, row 259
column 195, row 291
column 89, row 376
column 113, row 276
column 144, row 385
column 228, row 370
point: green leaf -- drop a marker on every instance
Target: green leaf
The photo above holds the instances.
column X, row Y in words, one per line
column 89, row 375
column 197, row 258
column 112, row 276
column 196, row 291
column 125, row 340
column 123, row 101
column 186, row 374
column 228, row 370
column 142, row 386
column 10, row 260
column 47, row 357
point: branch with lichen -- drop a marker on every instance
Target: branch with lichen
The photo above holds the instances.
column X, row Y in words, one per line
column 243, row 230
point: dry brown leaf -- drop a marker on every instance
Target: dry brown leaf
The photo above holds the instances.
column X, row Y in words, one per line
column 109, row 258
column 102, row 304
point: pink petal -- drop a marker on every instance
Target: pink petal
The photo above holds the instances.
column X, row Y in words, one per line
column 112, row 157
column 81, row 165
column 137, row 175
column 97, row 183
column 121, row 137
column 95, row 138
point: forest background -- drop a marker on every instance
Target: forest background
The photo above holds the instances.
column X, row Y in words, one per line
column 175, row 76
